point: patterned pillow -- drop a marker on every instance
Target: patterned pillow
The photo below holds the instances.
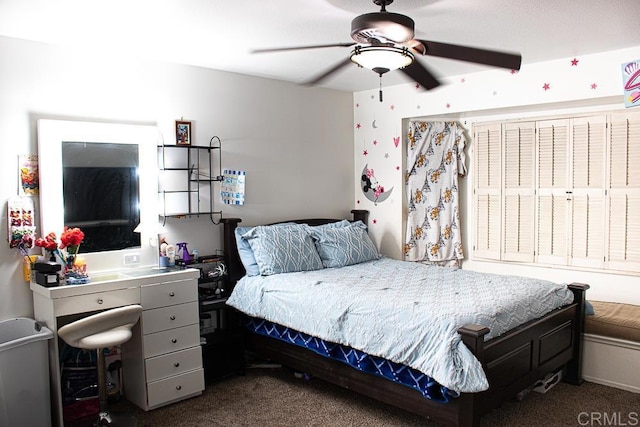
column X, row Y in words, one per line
column 283, row 249
column 341, row 246
column 245, row 252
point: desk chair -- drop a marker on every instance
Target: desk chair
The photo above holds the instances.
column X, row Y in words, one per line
column 97, row 332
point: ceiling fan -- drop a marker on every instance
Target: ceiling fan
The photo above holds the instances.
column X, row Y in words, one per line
column 383, row 41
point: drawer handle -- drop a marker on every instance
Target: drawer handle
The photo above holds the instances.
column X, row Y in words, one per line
column 178, row 387
column 172, row 294
column 174, row 340
column 175, row 365
column 172, row 317
column 100, row 301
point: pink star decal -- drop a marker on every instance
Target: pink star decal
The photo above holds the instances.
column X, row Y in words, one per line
column 375, row 221
column 514, row 71
column 393, row 107
column 417, row 86
column 358, row 126
column 448, row 105
column 375, row 142
column 462, row 80
column 397, row 168
column 594, row 86
column 365, row 152
column 357, row 202
column 546, row 86
column 574, row 62
column 357, row 105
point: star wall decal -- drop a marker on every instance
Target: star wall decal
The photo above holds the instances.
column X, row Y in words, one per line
column 393, row 107
column 386, row 155
column 546, row 86
column 574, row 62
column 594, row 86
column 375, row 142
column 514, row 71
column 358, row 126
column 365, row 152
column 375, row 221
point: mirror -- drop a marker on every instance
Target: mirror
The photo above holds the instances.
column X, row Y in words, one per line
column 104, row 177
column 119, row 164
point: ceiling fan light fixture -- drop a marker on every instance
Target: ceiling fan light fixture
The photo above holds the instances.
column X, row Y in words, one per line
column 381, row 57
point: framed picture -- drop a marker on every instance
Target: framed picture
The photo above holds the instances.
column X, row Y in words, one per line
column 183, row 132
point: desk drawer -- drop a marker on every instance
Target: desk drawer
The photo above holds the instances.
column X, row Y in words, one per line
column 96, row 301
column 175, row 316
column 171, row 340
column 171, row 293
column 175, row 388
column 172, row 364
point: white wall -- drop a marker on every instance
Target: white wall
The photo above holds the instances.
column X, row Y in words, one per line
column 294, row 142
column 594, row 83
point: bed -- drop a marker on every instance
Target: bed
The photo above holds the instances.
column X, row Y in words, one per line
column 510, row 362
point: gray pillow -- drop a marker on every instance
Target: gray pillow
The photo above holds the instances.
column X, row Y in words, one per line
column 283, row 249
column 341, row 246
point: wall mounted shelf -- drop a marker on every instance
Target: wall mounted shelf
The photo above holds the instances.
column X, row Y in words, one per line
column 187, row 177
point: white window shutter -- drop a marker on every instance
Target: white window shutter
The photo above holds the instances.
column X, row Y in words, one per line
column 588, row 206
column 518, row 192
column 624, row 193
column 552, row 176
column 487, row 195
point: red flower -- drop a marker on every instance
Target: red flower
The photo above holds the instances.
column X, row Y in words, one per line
column 71, row 237
column 48, row 242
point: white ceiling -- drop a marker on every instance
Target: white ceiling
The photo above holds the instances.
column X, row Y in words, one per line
column 219, row 34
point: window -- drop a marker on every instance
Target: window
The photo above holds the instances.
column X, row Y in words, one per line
column 559, row 191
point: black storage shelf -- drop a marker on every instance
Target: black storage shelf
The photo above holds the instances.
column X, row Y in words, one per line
column 199, row 164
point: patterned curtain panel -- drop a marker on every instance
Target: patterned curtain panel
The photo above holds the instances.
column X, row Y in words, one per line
column 435, row 159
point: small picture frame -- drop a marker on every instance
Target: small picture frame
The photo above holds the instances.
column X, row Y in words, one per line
column 183, row 132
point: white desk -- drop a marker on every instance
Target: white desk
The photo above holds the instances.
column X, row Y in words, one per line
column 162, row 363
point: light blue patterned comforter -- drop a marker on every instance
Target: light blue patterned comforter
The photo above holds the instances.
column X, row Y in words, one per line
column 402, row 311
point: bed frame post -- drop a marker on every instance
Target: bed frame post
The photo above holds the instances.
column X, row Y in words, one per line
column 573, row 373
column 235, row 269
column 360, row 215
column 471, row 410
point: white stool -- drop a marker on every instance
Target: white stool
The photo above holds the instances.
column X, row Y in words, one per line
column 99, row 331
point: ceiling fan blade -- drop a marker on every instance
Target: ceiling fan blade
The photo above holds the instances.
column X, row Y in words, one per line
column 421, row 75
column 328, row 72
column 317, row 46
column 494, row 58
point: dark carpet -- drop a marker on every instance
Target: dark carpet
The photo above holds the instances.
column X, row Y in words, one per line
column 275, row 397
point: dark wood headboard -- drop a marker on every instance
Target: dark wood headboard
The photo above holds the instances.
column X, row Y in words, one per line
column 235, row 269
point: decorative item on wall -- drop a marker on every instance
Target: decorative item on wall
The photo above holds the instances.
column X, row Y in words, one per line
column 21, row 231
column 232, row 190
column 183, row 132
column 28, row 168
column 631, row 80
column 371, row 187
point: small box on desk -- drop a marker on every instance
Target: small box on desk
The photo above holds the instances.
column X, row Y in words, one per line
column 47, row 274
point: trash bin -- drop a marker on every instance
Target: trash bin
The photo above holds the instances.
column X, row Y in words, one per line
column 24, row 373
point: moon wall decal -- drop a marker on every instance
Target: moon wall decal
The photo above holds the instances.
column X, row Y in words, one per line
column 371, row 189
column 374, row 125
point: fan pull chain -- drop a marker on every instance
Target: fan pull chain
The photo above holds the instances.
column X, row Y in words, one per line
column 380, row 87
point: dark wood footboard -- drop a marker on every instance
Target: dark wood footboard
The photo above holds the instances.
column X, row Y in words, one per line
column 512, row 362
